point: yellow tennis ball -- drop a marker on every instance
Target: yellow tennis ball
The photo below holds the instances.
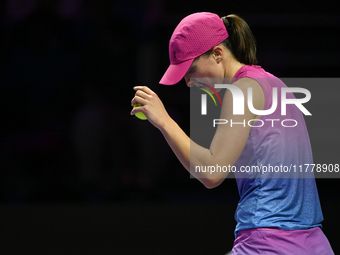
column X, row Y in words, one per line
column 139, row 115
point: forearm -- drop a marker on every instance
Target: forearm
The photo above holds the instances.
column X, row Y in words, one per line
column 189, row 153
column 178, row 141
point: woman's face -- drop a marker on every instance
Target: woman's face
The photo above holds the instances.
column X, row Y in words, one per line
column 202, row 69
column 207, row 70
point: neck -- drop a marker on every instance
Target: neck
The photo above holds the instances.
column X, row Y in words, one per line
column 231, row 67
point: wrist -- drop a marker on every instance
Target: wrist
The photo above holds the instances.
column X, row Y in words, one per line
column 165, row 124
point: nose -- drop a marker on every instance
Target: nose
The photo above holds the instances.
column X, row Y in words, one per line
column 188, row 82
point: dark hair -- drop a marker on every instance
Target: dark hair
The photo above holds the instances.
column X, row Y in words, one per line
column 241, row 41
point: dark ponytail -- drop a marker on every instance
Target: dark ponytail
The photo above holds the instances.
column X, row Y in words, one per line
column 241, row 41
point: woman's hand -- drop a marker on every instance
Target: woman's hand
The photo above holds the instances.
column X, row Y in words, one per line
column 151, row 106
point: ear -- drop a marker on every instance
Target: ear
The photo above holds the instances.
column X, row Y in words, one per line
column 218, row 53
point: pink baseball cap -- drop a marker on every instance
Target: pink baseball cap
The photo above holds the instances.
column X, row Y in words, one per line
column 193, row 36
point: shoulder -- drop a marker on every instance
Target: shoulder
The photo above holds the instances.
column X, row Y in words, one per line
column 252, row 71
column 251, row 90
column 246, row 82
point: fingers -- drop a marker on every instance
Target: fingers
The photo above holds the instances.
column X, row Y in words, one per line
column 136, row 109
column 141, row 97
column 143, row 94
column 150, row 105
column 145, row 89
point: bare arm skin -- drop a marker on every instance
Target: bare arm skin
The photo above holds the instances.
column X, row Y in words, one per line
column 227, row 144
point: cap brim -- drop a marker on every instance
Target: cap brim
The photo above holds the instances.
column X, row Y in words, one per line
column 175, row 73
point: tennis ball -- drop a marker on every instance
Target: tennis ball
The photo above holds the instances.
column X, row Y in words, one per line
column 139, row 115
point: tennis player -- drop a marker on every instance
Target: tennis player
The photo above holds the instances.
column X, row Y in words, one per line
column 275, row 215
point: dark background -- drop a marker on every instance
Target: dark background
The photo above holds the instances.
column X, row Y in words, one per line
column 79, row 175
